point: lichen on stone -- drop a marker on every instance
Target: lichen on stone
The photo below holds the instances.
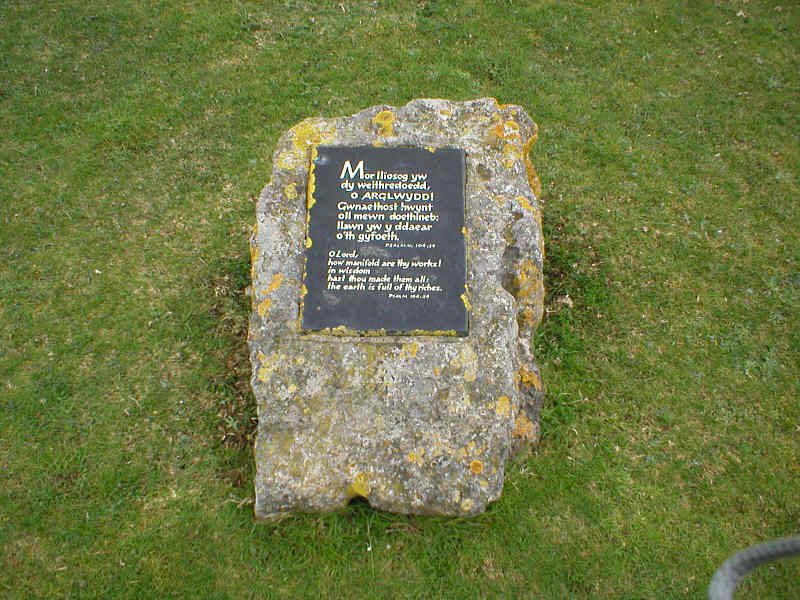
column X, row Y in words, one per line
column 421, row 422
column 384, row 120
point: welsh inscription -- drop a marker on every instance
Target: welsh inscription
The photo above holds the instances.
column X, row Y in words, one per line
column 386, row 248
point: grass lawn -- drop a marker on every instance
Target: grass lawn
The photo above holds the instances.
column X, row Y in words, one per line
column 134, row 139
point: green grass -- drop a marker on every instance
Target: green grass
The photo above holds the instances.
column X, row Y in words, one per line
column 136, row 137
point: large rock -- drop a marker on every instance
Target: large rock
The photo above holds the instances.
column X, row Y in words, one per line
column 412, row 423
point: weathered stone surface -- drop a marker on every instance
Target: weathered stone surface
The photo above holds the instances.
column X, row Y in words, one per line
column 414, row 424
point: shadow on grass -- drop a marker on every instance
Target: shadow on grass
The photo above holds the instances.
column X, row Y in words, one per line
column 229, row 381
column 579, row 293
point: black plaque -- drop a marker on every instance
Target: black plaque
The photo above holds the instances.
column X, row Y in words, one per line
column 385, row 247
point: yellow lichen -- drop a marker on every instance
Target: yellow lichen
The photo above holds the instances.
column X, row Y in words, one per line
column 308, row 242
column 476, row 467
column 344, row 331
column 533, row 178
column 384, row 120
column 467, row 504
column 444, row 332
column 269, row 365
column 430, row 149
column 310, row 189
column 512, row 155
column 411, row 348
column 307, row 134
column 505, row 130
column 528, row 280
column 465, row 300
column 530, row 378
column 290, row 191
column 263, row 307
column 277, row 279
column 253, row 256
column 286, row 160
column 359, row 487
column 529, row 317
column 414, row 458
column 503, row 406
column 310, row 133
column 525, row 428
column 523, row 202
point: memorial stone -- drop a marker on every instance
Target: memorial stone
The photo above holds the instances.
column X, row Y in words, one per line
column 397, row 282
